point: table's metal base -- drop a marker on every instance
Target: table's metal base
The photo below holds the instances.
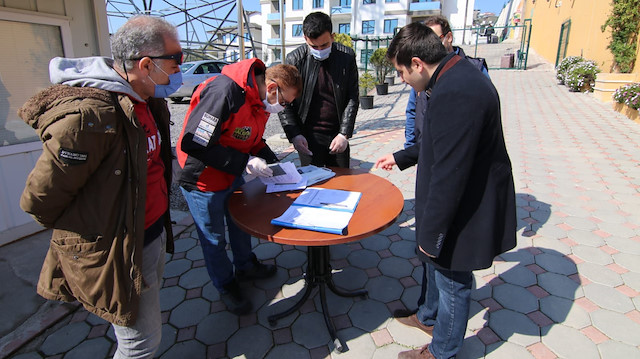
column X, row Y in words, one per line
column 318, row 275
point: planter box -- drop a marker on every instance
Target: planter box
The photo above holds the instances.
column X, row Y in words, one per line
column 608, row 83
column 627, row 111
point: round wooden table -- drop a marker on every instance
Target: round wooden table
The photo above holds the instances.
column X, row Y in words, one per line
column 252, row 209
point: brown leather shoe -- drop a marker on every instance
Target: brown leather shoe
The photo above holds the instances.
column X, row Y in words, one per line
column 422, row 353
column 399, row 313
column 412, row 321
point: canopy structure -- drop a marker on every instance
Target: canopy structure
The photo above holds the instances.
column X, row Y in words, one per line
column 207, row 29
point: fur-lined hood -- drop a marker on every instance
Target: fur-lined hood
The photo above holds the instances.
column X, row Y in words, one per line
column 43, row 109
column 74, row 80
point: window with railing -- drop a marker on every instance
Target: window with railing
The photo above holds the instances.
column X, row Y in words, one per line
column 368, row 27
column 390, row 25
column 318, row 4
column 345, row 3
column 344, row 28
column 296, row 30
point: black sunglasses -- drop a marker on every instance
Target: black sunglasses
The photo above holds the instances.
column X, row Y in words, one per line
column 177, row 57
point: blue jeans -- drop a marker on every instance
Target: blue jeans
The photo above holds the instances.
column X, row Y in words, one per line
column 143, row 338
column 447, row 309
column 209, row 211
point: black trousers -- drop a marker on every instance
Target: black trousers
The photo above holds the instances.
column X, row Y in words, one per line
column 319, row 145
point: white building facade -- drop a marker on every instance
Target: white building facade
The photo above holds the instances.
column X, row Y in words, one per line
column 373, row 19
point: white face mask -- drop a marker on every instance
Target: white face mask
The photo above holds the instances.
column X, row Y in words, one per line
column 320, row 55
column 272, row 108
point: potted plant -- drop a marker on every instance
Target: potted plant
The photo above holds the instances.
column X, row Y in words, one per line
column 382, row 67
column 563, row 66
column 367, row 82
column 582, row 76
column 627, row 101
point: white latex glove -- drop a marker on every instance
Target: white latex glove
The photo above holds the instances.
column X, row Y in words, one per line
column 258, row 167
column 339, row 144
column 301, row 145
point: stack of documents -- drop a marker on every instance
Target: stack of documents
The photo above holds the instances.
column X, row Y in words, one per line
column 320, row 209
column 287, row 178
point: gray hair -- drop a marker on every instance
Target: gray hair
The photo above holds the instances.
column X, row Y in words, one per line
column 140, row 36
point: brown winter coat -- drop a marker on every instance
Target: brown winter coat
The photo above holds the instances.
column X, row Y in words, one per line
column 89, row 186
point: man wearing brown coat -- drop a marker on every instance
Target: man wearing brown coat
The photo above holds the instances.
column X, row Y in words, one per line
column 102, row 180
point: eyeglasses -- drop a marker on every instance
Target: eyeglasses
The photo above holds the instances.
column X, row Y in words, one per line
column 177, row 57
column 283, row 102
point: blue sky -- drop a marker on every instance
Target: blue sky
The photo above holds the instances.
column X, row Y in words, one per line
column 494, row 6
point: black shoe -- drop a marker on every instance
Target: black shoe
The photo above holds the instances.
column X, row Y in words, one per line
column 401, row 313
column 234, row 300
column 258, row 271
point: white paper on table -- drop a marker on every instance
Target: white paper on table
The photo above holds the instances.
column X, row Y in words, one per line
column 315, row 174
column 335, row 199
column 315, row 218
column 291, row 175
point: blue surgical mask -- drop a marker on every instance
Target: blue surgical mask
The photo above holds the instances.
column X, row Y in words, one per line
column 175, row 81
column 320, row 55
column 272, row 108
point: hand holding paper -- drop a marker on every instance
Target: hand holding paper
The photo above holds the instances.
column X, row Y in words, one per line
column 258, row 167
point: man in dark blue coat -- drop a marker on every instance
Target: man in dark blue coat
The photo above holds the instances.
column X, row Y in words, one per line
column 465, row 198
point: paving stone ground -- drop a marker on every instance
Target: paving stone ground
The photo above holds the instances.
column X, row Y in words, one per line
column 571, row 288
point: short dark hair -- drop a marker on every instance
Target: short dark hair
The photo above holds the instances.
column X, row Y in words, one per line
column 416, row 40
column 439, row 20
column 316, row 24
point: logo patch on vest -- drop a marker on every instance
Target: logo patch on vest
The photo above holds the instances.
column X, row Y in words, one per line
column 242, row 133
column 72, row 157
column 205, row 129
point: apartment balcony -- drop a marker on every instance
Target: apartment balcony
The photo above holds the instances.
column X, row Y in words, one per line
column 273, row 18
column 425, row 8
column 341, row 12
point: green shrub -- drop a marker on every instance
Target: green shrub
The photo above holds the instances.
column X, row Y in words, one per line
column 344, row 39
column 624, row 22
column 381, row 64
column 582, row 76
column 561, row 70
column 629, row 95
column 367, row 83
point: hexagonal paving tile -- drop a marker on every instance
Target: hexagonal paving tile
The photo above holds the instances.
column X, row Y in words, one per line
column 560, row 285
column 395, row 267
column 170, row 297
column 369, row 315
column 310, row 331
column 350, row 278
column 516, row 298
column 384, row 289
column 291, row 259
column 364, row 259
column 514, row 327
column 190, row 312
column 217, row 327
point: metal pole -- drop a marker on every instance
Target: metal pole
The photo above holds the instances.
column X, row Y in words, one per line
column 282, row 31
column 240, row 30
column 464, row 25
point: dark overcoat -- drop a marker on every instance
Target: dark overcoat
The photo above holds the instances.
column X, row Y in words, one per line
column 465, row 198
